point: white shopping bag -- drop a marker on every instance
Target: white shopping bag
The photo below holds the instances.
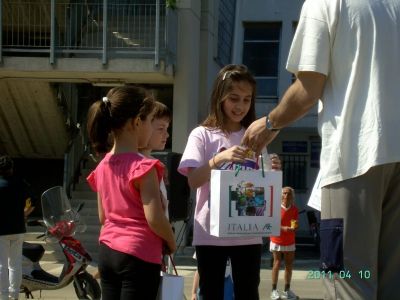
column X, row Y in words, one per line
column 171, row 284
column 171, row 287
column 244, row 203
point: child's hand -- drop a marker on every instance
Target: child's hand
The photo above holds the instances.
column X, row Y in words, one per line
column 276, row 163
column 28, row 207
column 28, row 211
column 169, row 248
column 287, row 228
column 236, row 154
column 165, row 176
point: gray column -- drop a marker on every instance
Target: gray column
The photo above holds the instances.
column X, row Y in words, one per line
column 186, row 82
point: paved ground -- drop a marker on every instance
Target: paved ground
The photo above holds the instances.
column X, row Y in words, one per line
column 306, row 289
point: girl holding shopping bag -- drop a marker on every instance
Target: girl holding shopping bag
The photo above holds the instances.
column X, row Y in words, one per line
column 216, row 144
column 135, row 228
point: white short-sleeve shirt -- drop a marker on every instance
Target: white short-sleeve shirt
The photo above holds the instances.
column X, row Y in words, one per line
column 356, row 43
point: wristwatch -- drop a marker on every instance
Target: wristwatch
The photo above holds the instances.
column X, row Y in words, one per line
column 269, row 125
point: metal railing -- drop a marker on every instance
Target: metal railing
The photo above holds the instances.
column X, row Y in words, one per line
column 89, row 28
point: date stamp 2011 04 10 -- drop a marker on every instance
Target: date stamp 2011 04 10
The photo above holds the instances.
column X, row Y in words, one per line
column 344, row 274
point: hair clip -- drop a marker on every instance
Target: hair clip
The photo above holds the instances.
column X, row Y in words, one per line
column 228, row 74
column 105, row 100
column 224, row 77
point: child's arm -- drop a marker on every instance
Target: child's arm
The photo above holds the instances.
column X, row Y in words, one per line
column 150, row 193
column 100, row 210
column 195, row 285
column 199, row 176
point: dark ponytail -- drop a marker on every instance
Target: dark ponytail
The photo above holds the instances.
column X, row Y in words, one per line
column 113, row 111
column 99, row 126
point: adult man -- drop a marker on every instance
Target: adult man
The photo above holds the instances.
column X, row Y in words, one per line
column 347, row 53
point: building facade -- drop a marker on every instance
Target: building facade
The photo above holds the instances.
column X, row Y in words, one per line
column 57, row 57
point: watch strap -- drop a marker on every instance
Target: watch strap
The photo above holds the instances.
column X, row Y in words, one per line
column 269, row 125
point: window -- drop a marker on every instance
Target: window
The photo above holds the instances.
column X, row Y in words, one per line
column 294, row 170
column 315, row 152
column 294, row 28
column 294, row 164
column 226, row 24
column 261, row 55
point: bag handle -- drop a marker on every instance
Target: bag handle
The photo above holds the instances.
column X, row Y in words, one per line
column 164, row 266
column 173, row 264
column 262, row 165
column 238, row 168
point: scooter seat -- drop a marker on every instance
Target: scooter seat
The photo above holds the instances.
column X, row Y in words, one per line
column 32, row 251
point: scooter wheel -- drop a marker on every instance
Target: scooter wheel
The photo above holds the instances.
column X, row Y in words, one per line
column 86, row 287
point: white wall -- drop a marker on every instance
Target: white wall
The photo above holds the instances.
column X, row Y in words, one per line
column 197, row 68
column 287, row 12
column 186, row 81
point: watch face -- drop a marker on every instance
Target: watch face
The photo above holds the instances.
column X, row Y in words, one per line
column 269, row 125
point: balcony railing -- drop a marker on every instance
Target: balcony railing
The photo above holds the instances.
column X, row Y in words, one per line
column 106, row 28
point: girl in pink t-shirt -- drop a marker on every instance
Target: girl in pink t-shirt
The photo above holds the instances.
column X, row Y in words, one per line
column 210, row 146
column 127, row 184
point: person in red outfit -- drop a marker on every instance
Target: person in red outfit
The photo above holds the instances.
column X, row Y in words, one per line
column 284, row 245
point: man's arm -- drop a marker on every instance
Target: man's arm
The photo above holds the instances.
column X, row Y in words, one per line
column 300, row 97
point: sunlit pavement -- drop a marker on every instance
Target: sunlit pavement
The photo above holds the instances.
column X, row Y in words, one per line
column 305, row 263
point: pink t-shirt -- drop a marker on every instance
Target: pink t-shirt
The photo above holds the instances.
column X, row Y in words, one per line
column 201, row 146
column 126, row 228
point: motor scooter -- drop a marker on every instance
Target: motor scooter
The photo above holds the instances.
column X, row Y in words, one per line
column 61, row 222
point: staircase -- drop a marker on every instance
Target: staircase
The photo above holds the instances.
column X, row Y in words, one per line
column 89, row 238
column 89, row 213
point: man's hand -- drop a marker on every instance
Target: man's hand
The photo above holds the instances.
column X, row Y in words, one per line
column 257, row 136
column 300, row 97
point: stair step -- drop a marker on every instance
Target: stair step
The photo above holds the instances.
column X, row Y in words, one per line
column 90, row 218
column 85, row 173
column 90, row 230
column 85, row 195
column 89, row 206
column 82, row 186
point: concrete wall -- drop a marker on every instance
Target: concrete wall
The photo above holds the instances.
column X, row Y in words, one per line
column 287, row 12
column 196, row 67
column 186, row 81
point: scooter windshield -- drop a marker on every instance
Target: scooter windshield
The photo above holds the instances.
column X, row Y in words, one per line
column 58, row 215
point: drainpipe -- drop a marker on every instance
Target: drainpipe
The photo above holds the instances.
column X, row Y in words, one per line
column 1, row 31
column 105, row 21
column 52, row 31
column 157, row 36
